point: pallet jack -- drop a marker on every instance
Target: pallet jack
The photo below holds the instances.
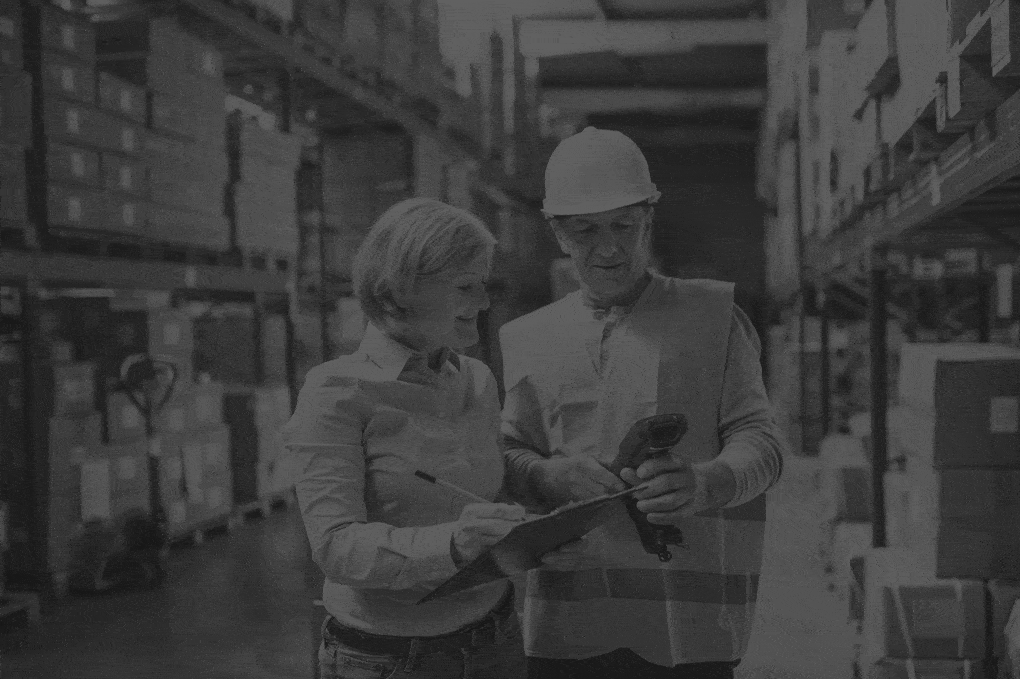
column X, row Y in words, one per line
column 131, row 550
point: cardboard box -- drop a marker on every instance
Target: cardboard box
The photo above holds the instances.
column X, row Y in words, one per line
column 12, row 53
column 117, row 134
column 199, row 191
column 272, row 407
column 70, row 388
column 70, row 164
column 944, row 618
column 13, row 196
column 124, row 423
column 176, row 225
column 64, row 32
column 975, row 381
column 125, row 175
column 207, row 404
column 121, row 97
column 184, row 158
column 129, row 475
column 925, row 668
column 975, row 435
column 67, row 76
column 74, row 206
column 169, row 43
column 171, row 333
column 16, row 109
column 180, row 116
column 960, row 523
column 1005, row 595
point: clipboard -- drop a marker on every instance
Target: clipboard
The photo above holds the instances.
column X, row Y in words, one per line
column 522, row 548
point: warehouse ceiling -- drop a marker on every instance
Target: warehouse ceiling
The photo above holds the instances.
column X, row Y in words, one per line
column 667, row 72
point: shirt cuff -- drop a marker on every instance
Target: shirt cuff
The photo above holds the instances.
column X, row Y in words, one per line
column 430, row 551
column 749, row 472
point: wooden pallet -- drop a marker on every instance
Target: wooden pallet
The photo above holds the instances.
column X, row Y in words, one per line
column 94, row 243
column 19, row 607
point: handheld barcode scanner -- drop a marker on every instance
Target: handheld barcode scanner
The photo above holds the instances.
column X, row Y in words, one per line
column 649, row 438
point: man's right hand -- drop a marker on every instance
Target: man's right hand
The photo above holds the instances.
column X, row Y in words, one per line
column 560, row 480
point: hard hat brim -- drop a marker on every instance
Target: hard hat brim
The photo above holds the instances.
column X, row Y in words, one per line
column 588, row 207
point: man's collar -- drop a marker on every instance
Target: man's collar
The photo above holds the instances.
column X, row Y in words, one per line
column 393, row 356
column 601, row 311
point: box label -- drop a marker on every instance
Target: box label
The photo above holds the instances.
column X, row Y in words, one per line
column 126, row 178
column 73, row 122
column 68, row 37
column 126, row 468
column 128, row 213
column 7, row 28
column 125, row 101
column 209, row 63
column 67, row 79
column 127, row 139
column 155, row 447
column 77, row 164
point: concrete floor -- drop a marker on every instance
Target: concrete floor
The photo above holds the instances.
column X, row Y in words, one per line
column 238, row 607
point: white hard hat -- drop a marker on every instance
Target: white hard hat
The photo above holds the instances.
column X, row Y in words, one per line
column 594, row 171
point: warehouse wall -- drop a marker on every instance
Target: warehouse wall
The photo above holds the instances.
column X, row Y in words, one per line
column 709, row 223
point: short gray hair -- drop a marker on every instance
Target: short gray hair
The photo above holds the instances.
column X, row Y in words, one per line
column 415, row 238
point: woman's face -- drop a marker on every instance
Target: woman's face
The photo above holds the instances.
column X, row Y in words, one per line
column 443, row 309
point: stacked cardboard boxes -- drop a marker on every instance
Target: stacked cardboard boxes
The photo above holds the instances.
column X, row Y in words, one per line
column 951, row 505
column 185, row 148
column 15, row 119
column 846, row 514
column 93, row 143
column 256, row 418
column 264, row 188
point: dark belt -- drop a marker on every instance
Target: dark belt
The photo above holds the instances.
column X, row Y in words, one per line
column 481, row 633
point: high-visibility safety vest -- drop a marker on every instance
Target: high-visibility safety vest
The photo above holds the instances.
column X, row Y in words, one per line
column 590, row 383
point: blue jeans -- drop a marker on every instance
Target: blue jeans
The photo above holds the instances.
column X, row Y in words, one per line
column 495, row 652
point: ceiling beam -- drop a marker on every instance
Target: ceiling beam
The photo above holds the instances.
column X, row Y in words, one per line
column 563, row 37
column 690, row 135
column 659, row 100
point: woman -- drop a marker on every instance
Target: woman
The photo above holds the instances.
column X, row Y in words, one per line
column 364, row 423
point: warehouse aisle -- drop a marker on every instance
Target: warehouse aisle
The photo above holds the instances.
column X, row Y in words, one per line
column 238, row 608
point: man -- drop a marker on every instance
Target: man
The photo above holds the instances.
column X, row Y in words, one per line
column 578, row 373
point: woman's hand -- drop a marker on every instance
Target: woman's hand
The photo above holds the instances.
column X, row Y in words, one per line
column 560, row 480
column 480, row 526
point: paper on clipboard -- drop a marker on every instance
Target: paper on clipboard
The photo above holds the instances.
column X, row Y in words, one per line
column 522, row 548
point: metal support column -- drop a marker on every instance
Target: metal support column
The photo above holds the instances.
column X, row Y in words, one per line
column 826, row 366
column 879, row 393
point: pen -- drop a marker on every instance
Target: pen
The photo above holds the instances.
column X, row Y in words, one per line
column 446, row 484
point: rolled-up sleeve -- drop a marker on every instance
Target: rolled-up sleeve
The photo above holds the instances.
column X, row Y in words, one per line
column 523, row 436
column 324, row 438
column 752, row 444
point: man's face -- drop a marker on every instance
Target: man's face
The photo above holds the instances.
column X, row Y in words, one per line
column 611, row 250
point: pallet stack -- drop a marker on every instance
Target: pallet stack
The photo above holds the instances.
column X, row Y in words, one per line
column 15, row 127
column 192, row 439
column 940, row 595
column 90, row 147
column 263, row 191
column 256, row 417
column 185, row 148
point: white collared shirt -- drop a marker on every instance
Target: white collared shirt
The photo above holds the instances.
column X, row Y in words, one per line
column 362, row 426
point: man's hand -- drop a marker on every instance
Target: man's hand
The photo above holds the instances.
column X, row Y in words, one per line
column 677, row 489
column 560, row 480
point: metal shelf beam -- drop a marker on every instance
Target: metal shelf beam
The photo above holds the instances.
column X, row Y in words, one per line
column 975, row 163
column 51, row 268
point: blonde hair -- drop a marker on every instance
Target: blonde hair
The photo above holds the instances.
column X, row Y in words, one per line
column 415, row 238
